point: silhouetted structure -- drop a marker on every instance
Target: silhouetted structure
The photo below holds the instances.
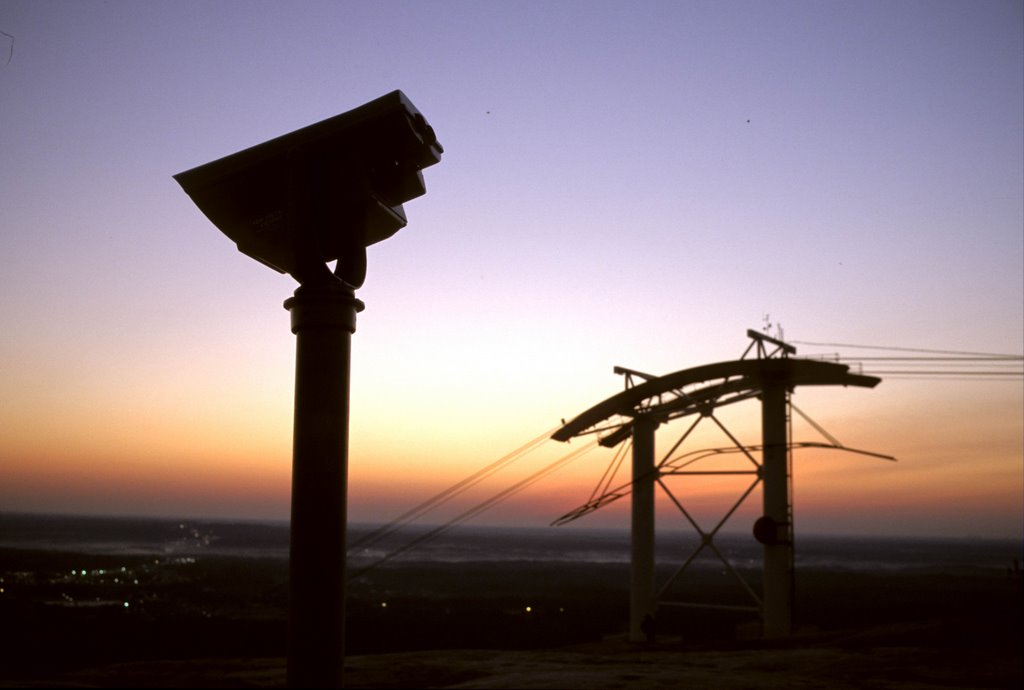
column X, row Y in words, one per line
column 638, row 411
column 322, row 193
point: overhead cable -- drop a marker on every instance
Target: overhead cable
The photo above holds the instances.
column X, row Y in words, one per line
column 904, row 349
column 480, row 507
column 451, row 492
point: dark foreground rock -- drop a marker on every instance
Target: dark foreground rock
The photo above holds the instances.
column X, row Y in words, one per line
column 936, row 654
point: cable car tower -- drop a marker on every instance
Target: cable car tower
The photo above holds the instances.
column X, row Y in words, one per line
column 770, row 375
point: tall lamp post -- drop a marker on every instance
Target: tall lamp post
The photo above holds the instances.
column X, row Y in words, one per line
column 295, row 203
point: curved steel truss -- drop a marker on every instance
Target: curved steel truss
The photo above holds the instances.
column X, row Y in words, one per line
column 700, row 389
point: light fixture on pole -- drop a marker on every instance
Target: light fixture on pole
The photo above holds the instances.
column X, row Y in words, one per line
column 295, row 203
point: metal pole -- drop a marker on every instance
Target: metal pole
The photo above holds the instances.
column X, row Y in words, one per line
column 641, row 601
column 323, row 319
column 778, row 574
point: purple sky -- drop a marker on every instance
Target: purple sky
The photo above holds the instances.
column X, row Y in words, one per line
column 624, row 183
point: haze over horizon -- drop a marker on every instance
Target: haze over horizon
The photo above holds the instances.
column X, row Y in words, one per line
column 630, row 184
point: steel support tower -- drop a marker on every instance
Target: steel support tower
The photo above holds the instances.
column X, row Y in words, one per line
column 770, row 375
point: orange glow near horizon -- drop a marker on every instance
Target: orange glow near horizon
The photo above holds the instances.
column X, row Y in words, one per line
column 957, row 473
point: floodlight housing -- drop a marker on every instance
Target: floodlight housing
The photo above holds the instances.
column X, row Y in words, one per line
column 321, row 193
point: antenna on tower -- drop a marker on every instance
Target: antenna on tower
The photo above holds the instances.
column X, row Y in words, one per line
column 766, row 327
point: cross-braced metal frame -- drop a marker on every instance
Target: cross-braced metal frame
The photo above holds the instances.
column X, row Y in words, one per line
column 649, row 401
column 675, row 467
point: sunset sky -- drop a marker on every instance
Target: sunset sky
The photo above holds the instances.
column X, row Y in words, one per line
column 624, row 183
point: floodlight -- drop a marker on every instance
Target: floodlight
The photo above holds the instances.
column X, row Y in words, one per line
column 321, row 193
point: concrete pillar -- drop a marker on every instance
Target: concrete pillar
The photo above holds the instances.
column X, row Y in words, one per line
column 642, row 592
column 778, row 575
column 323, row 319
